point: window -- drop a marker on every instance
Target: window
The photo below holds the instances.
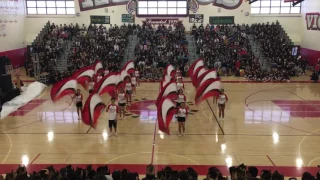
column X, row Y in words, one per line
column 50, row 7
column 162, row 8
column 274, row 7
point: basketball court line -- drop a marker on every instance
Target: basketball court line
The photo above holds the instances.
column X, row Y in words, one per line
column 270, row 160
column 215, row 117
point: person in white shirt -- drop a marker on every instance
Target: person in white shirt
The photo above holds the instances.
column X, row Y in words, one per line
column 128, row 89
column 181, row 98
column 181, row 117
column 116, row 48
column 178, row 75
column 122, row 102
column 134, row 84
column 78, row 100
column 222, row 100
column 180, row 84
column 113, row 111
column 137, row 75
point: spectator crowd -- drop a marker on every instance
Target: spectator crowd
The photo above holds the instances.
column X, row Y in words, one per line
column 240, row 172
column 226, row 48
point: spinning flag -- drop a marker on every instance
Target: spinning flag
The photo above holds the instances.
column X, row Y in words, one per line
column 107, row 84
column 165, row 111
column 169, row 71
column 168, row 91
column 166, row 79
column 211, row 74
column 128, row 67
column 98, row 68
column 208, row 88
column 92, row 109
column 197, row 74
column 62, row 88
column 84, row 75
column 194, row 66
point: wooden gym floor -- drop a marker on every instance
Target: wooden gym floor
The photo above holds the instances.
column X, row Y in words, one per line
column 271, row 125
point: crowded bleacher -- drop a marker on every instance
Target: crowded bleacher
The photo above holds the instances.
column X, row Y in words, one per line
column 223, row 47
column 158, row 47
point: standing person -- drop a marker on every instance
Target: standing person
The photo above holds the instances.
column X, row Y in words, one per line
column 128, row 88
column 181, row 117
column 222, row 100
column 113, row 111
column 78, row 99
column 180, row 84
column 134, row 84
column 137, row 75
column 122, row 102
column 181, row 98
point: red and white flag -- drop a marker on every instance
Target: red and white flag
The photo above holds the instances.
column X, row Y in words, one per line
column 165, row 112
column 194, row 66
column 98, row 68
column 92, row 109
column 169, row 71
column 63, row 88
column 210, row 74
column 84, row 75
column 207, row 89
column 107, row 84
column 128, row 67
column 168, row 91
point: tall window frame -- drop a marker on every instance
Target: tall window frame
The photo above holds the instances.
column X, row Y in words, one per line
column 162, row 8
column 50, row 7
column 274, row 7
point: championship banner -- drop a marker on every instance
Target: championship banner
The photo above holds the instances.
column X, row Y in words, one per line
column 162, row 21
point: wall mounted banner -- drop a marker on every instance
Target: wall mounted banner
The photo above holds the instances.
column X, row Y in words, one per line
column 313, row 21
column 100, row 19
column 196, row 18
column 161, row 21
column 221, row 19
column 127, row 18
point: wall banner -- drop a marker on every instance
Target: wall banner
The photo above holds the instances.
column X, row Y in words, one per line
column 196, row 18
column 313, row 21
column 127, row 18
column 162, row 21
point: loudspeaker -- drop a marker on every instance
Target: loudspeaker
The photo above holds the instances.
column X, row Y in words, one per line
column 6, row 83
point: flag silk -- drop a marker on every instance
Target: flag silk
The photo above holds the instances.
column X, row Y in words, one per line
column 200, row 69
column 128, row 67
column 107, row 84
column 98, row 68
column 194, row 66
column 168, row 91
column 207, row 89
column 92, row 109
column 84, row 75
column 165, row 80
column 165, row 112
column 169, row 71
column 211, row 74
column 63, row 88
